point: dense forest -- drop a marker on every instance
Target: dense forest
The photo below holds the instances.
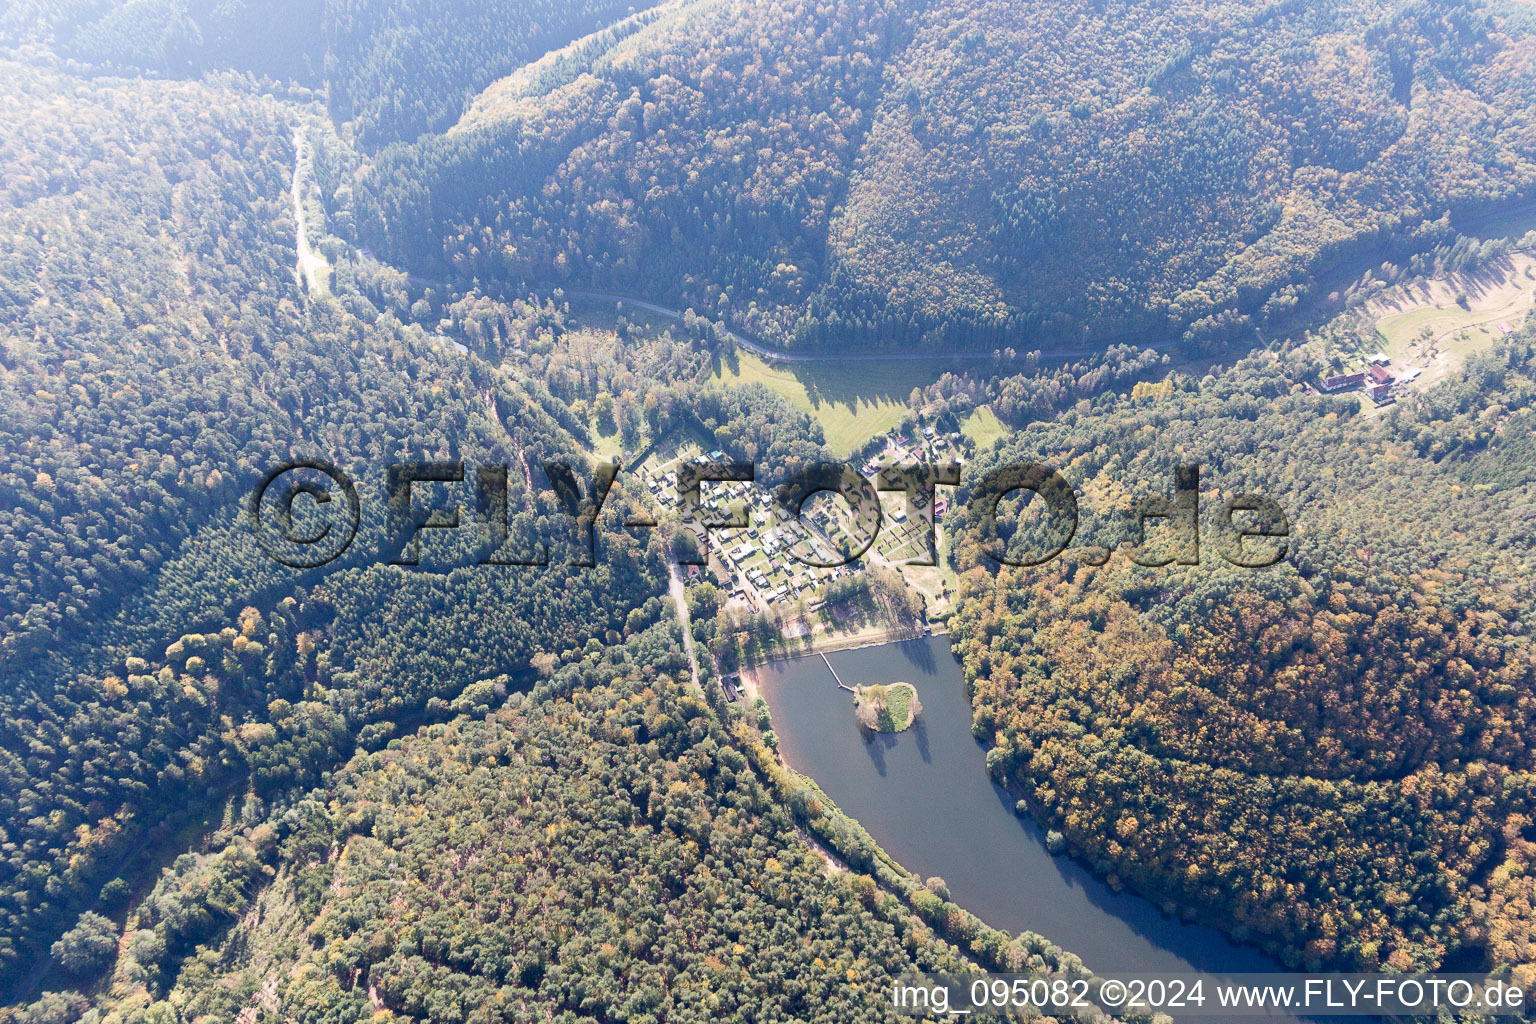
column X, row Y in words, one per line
column 400, row 70
column 869, row 172
column 141, row 412
column 276, row 39
column 467, row 790
column 1329, row 756
column 1251, row 144
column 393, row 70
column 602, row 850
column 879, row 172
column 159, row 668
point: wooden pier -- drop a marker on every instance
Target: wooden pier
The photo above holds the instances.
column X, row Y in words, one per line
column 840, row 683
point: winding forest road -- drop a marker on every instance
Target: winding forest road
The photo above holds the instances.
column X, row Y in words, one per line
column 680, row 598
column 771, row 354
column 311, row 263
column 756, row 348
column 1490, row 223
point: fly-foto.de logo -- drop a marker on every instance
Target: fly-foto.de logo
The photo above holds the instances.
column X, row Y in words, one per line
column 306, row 514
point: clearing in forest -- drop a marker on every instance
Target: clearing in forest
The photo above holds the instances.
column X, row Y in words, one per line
column 852, row 401
column 1434, row 325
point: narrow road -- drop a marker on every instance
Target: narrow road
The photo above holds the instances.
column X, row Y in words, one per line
column 311, row 264
column 756, row 348
column 680, row 599
column 1098, row 344
column 765, row 352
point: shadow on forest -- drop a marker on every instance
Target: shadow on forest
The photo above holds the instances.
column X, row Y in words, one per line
column 855, row 382
column 864, row 382
column 1476, row 283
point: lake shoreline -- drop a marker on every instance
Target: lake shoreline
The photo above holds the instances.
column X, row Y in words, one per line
column 839, row 643
column 928, row 802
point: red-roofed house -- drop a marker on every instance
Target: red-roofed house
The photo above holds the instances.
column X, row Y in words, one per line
column 1343, row 381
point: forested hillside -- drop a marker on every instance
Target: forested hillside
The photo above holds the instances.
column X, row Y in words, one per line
column 167, row 239
column 278, row 39
column 158, row 356
column 1330, row 756
column 602, row 852
column 160, row 351
column 973, row 173
column 393, row 70
column 885, row 173
column 1147, row 166
column 708, row 148
column 467, row 790
column 400, row 70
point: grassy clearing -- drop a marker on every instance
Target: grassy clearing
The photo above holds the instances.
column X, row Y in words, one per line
column 983, row 427
column 606, row 446
column 1437, row 324
column 312, row 266
column 315, row 270
column 852, row 401
column 1402, row 329
column 899, row 699
column 604, row 315
column 938, row 584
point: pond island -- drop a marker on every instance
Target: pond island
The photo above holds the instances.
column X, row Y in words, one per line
column 887, row 708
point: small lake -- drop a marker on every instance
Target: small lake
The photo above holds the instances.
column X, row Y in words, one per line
column 927, row 799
